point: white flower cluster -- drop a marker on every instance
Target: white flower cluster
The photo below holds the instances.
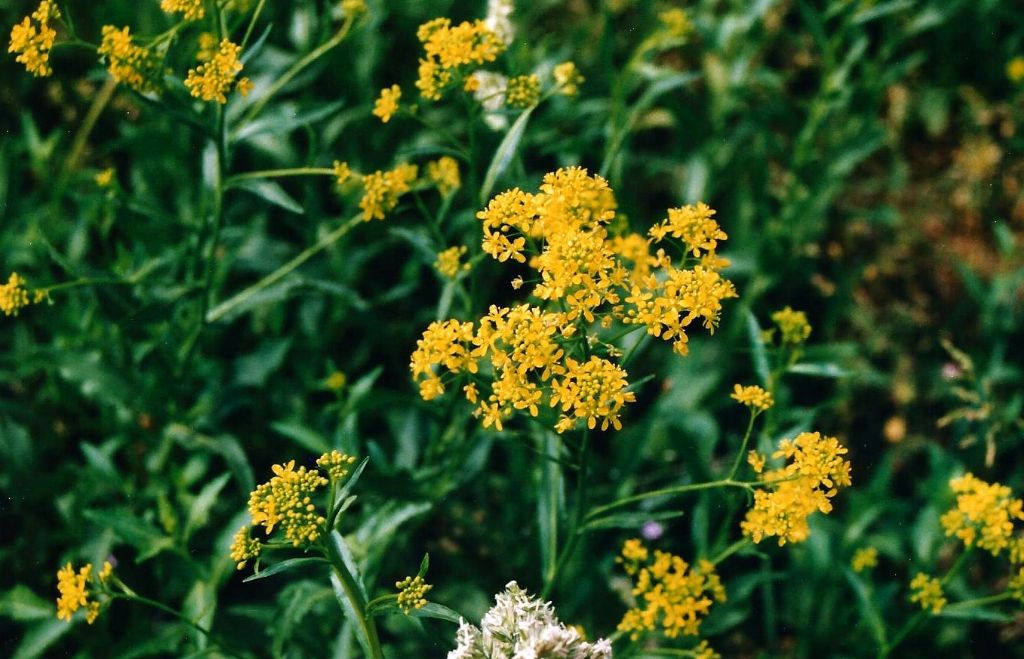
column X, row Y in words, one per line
column 499, row 21
column 522, row 627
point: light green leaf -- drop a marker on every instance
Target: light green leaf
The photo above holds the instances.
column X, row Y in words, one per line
column 506, row 151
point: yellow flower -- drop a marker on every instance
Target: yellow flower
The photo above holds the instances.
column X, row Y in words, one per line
column 694, row 225
column 335, row 381
column 633, row 554
column 676, row 23
column 191, row 10
column 108, row 569
column 449, row 262
column 449, row 50
column 128, row 63
column 522, row 91
column 336, row 464
column 33, row 39
column 928, row 593
column 13, row 295
column 387, row 103
column 1015, row 69
column 984, row 514
column 286, row 500
column 342, row 172
column 444, row 344
column 814, row 473
column 74, row 594
column 756, row 461
column 671, row 595
column 753, row 397
column 864, row 558
column 705, row 651
column 411, row 592
column 353, row 7
column 207, row 46
column 244, row 548
column 105, row 178
column 213, row 79
column 567, row 79
column 594, row 390
column 792, row 325
column 382, row 189
column 444, row 172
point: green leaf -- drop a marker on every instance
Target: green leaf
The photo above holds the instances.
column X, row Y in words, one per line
column 827, row 370
column 199, row 512
column 867, row 607
column 21, row 604
column 41, row 637
column 140, row 534
column 550, row 501
column 758, row 353
column 429, row 610
column 506, row 151
column 271, row 193
column 424, row 566
column 286, row 120
column 284, row 566
column 303, row 436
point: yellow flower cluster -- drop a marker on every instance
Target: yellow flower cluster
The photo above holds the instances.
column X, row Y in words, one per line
column 694, row 225
column 244, row 547
column 807, row 483
column 522, row 91
column 214, row 78
column 286, row 500
column 13, row 295
column 336, row 381
column 382, row 189
column 864, row 558
column 984, row 514
column 567, row 78
column 676, row 23
column 105, row 178
column 583, row 276
column 928, row 593
column 387, row 103
column 128, row 63
column 335, row 463
column 74, row 590
column 191, row 10
column 449, row 49
column 444, row 172
column 342, row 172
column 792, row 325
column 1015, row 70
column 33, row 39
column 411, row 592
column 671, row 594
column 753, row 397
column 449, row 262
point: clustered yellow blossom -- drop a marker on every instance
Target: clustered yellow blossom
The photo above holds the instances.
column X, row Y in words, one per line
column 567, row 78
column 353, row 7
column 33, row 39
column 382, row 189
column 286, row 500
column 214, row 78
column 583, row 277
column 792, row 325
column 676, row 23
column 127, row 62
column 928, row 593
column 522, row 91
column 244, row 548
column 411, row 593
column 336, row 381
column 753, row 397
column 191, row 10
column 206, row 46
column 705, row 651
column 864, row 558
column 74, row 590
column 671, row 594
column 1015, row 70
column 387, row 103
column 105, row 178
column 806, row 484
column 444, row 172
column 449, row 262
column 450, row 49
column 336, row 464
column 13, row 295
column 342, row 172
column 984, row 514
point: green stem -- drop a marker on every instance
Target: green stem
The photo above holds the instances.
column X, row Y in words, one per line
column 730, row 550
column 280, row 173
column 296, row 69
column 227, row 306
column 743, row 446
column 979, row 601
column 669, row 491
column 252, row 23
column 355, row 598
column 95, row 110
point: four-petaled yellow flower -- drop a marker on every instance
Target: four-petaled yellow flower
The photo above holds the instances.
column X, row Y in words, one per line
column 387, row 103
column 984, row 514
column 450, row 49
column 753, row 397
column 33, row 38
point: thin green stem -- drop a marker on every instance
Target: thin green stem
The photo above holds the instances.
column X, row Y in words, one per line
column 280, row 173
column 669, row 491
column 252, row 23
column 730, row 550
column 229, row 305
column 296, row 69
column 95, row 110
column 743, row 446
column 978, row 601
column 355, row 598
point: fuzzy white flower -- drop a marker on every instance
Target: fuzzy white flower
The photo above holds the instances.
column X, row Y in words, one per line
column 522, row 627
column 490, row 90
column 499, row 20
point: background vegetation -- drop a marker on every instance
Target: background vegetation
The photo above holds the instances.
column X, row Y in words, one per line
column 863, row 157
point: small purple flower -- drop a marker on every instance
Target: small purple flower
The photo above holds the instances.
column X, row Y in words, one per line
column 652, row 530
column 950, row 371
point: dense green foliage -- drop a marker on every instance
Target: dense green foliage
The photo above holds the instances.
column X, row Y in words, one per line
column 863, row 156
